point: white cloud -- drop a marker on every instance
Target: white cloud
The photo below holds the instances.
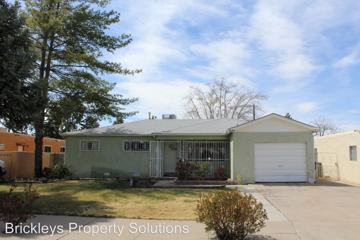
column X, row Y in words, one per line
column 279, row 35
column 157, row 97
column 152, row 45
column 295, row 67
column 162, row 51
column 179, row 43
column 351, row 59
column 226, row 58
column 155, row 41
column 307, row 107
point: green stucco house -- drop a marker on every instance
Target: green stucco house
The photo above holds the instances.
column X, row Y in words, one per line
column 269, row 149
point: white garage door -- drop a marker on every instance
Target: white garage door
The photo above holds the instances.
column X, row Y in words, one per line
column 280, row 162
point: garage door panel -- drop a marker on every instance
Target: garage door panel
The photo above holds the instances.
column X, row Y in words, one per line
column 280, row 162
column 268, row 167
column 283, row 172
column 268, row 153
column 280, row 179
column 281, row 145
column 274, row 161
column 280, row 165
column 276, row 151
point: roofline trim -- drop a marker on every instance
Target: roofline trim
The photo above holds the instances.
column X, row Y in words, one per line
column 292, row 121
column 147, row 135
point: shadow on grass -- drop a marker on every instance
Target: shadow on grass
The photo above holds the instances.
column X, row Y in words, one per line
column 67, row 205
column 85, row 185
column 62, row 194
column 47, row 207
column 110, row 189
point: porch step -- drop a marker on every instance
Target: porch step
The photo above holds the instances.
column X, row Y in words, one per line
column 170, row 174
column 172, row 184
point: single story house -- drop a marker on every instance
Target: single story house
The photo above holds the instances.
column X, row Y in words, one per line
column 338, row 155
column 272, row 148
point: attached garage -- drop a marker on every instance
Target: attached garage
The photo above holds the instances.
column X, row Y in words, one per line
column 280, row 162
column 272, row 149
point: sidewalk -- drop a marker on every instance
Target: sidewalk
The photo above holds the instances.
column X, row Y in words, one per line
column 114, row 228
column 131, row 229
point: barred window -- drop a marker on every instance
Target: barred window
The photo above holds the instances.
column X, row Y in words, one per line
column 136, row 146
column 89, row 145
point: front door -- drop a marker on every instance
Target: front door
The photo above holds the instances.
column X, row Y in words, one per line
column 156, row 158
column 170, row 152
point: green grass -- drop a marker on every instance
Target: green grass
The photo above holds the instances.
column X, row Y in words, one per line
column 113, row 199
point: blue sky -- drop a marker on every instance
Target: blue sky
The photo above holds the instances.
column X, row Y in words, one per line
column 304, row 55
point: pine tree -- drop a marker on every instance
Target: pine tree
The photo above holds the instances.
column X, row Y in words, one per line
column 70, row 37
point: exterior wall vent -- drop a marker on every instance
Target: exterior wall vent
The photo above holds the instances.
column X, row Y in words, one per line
column 168, row 116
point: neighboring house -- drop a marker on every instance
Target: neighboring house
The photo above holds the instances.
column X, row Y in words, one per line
column 269, row 149
column 338, row 154
column 16, row 142
column 17, row 151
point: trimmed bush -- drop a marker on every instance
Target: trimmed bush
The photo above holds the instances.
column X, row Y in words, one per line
column 59, row 171
column 200, row 170
column 231, row 214
column 17, row 208
column 220, row 173
column 184, row 170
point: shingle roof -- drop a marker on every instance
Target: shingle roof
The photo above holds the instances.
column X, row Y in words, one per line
column 163, row 127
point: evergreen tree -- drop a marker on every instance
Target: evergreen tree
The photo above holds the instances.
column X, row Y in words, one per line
column 16, row 65
column 70, row 37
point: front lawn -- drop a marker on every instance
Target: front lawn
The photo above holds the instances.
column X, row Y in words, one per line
column 113, row 199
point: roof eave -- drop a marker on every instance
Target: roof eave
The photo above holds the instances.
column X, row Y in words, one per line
column 145, row 135
column 293, row 121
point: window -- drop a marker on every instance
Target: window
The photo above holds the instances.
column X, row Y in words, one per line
column 136, row 146
column 353, row 153
column 62, row 149
column 89, row 145
column 206, row 150
column 2, row 146
column 20, row 148
column 47, row 148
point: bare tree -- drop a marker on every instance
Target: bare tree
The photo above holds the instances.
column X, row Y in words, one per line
column 222, row 100
column 324, row 126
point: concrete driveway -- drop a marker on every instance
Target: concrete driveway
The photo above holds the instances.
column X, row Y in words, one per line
column 326, row 210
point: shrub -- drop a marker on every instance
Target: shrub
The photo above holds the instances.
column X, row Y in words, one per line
column 184, row 170
column 47, row 172
column 231, row 214
column 200, row 170
column 17, row 208
column 220, row 173
column 144, row 183
column 59, row 171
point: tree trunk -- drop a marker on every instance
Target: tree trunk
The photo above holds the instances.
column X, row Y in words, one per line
column 39, row 134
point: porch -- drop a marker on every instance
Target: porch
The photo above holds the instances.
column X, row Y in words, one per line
column 164, row 156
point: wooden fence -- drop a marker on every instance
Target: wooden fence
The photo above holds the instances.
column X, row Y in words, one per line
column 22, row 164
